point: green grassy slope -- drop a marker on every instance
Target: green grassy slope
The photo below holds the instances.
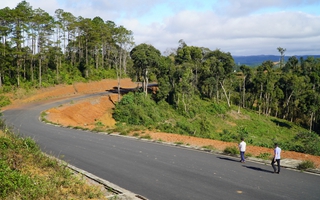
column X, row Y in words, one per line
column 212, row 120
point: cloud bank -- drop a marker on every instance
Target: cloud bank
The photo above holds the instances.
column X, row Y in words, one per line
column 241, row 27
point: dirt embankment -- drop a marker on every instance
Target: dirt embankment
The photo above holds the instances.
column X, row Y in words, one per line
column 90, row 112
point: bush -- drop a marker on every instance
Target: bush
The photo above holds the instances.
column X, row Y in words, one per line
column 307, row 164
column 185, row 127
column 215, row 108
column 227, row 136
column 147, row 136
column 4, row 101
column 5, row 143
column 135, row 109
column 231, row 150
column 242, row 132
column 249, row 155
column 30, row 144
column 310, row 143
column 264, row 156
column 209, row 147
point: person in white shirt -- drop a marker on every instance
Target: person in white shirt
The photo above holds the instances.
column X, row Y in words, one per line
column 242, row 149
column 276, row 158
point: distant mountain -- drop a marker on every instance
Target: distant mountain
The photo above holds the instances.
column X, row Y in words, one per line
column 259, row 59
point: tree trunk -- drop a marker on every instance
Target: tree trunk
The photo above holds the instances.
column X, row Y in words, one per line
column 97, row 57
column 125, row 62
column 225, row 93
column 103, row 54
column 261, row 88
column 119, row 76
column 311, row 122
column 18, row 72
column 145, row 81
column 244, row 92
column 184, row 103
column 287, row 106
column 217, row 89
column 40, row 72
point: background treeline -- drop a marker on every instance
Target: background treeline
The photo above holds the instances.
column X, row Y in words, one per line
column 39, row 50
column 286, row 90
column 203, row 93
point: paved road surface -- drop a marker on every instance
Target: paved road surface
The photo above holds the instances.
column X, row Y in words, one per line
column 157, row 171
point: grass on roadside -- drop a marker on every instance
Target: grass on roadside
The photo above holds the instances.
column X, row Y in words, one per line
column 307, row 164
column 26, row 173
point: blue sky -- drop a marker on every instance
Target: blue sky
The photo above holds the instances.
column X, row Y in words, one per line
column 241, row 27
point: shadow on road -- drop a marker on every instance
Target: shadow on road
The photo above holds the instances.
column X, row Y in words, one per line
column 258, row 169
column 229, row 159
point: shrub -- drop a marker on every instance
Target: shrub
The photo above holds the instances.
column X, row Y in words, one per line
column 136, row 134
column 99, row 124
column 185, row 127
column 179, row 143
column 249, row 155
column 228, row 136
column 215, row 108
column 232, row 150
column 209, row 147
column 242, row 132
column 307, row 164
column 30, row 144
column 124, row 132
column 147, row 136
column 5, row 143
column 4, row 101
column 310, row 143
column 264, row 156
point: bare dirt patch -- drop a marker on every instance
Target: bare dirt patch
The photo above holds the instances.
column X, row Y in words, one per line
column 86, row 113
column 90, row 112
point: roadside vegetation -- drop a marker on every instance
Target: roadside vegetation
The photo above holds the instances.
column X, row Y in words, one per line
column 26, row 173
column 214, row 121
column 307, row 164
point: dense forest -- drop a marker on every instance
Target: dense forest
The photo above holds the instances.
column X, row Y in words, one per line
column 40, row 50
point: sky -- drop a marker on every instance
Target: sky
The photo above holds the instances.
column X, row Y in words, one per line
column 241, row 27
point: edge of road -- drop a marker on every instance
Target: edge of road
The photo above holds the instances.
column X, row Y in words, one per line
column 112, row 191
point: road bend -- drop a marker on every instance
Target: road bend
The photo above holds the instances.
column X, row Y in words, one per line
column 159, row 171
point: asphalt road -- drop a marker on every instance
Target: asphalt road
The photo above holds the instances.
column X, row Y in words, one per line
column 158, row 171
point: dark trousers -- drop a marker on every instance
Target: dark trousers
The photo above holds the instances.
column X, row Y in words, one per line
column 242, row 156
column 274, row 167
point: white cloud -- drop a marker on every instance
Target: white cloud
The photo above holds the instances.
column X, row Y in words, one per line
column 245, row 7
column 253, row 34
column 241, row 27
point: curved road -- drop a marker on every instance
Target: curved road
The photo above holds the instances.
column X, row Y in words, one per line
column 158, row 171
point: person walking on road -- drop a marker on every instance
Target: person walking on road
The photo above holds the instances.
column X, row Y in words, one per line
column 242, row 149
column 276, row 158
